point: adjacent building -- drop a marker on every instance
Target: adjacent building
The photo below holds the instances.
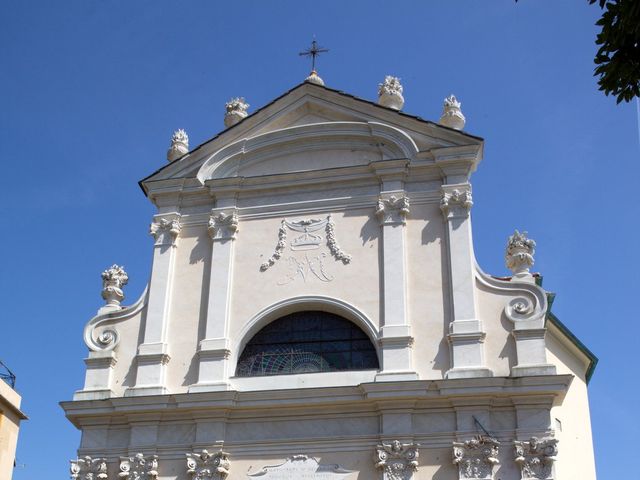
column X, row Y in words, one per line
column 10, row 418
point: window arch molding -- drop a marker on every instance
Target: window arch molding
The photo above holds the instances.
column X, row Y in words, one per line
column 299, row 304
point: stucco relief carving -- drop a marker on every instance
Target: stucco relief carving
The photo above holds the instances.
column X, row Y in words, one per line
column 299, row 467
column 223, row 225
column 113, row 279
column 396, row 460
column 87, row 468
column 139, row 467
column 519, row 253
column 392, row 210
column 456, row 202
column 302, row 263
column 165, row 231
column 476, row 458
column 204, row 465
column 536, row 457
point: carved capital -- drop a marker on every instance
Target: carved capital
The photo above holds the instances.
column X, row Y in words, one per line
column 535, row 458
column 165, row 231
column 519, row 254
column 392, row 210
column 113, row 279
column 203, row 465
column 87, row 468
column 139, row 467
column 476, row 458
column 396, row 460
column 223, row 225
column 456, row 201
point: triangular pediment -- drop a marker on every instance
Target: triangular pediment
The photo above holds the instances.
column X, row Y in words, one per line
column 312, row 119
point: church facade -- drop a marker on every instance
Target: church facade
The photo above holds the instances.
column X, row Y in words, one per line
column 315, row 310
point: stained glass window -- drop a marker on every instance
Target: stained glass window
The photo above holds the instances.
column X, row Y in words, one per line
column 307, row 342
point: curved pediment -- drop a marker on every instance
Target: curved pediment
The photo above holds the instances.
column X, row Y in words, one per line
column 309, row 147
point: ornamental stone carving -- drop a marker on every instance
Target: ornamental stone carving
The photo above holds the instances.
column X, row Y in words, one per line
column 519, row 254
column 139, row 467
column 165, row 231
column 88, row 468
column 536, row 457
column 456, row 202
column 179, row 145
column 235, row 111
column 223, row 225
column 452, row 116
column 203, row 465
column 476, row 458
column 113, row 279
column 390, row 93
column 396, row 460
column 392, row 210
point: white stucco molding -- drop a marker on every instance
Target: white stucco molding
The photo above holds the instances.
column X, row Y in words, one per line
column 526, row 309
column 391, row 141
column 301, row 303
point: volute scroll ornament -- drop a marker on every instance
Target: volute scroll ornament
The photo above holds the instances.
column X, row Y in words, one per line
column 456, row 202
column 204, row 466
column 396, row 460
column 476, row 458
column 223, row 225
column 87, row 468
column 139, row 467
column 393, row 210
column 536, row 458
column 165, row 231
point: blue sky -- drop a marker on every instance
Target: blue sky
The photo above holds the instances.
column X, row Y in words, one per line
column 91, row 92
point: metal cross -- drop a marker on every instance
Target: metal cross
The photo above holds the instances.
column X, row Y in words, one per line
column 313, row 52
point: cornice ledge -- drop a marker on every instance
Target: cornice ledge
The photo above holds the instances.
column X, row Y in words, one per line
column 98, row 339
column 462, row 160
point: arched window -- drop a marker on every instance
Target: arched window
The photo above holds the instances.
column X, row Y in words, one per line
column 307, row 342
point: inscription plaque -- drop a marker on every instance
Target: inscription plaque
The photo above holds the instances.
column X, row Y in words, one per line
column 301, row 467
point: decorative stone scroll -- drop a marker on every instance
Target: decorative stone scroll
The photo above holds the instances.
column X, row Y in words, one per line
column 536, row 458
column 113, row 279
column 392, row 210
column 519, row 254
column 223, row 225
column 139, row 467
column 165, row 231
column 397, row 460
column 203, row 465
column 456, row 202
column 310, row 239
column 301, row 467
column 87, row 468
column 476, row 458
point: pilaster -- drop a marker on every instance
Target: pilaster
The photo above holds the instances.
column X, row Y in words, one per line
column 98, row 376
column 214, row 349
column 153, row 353
column 466, row 334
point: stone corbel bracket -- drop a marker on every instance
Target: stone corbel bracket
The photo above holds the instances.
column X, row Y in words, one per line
column 99, row 334
column 527, row 310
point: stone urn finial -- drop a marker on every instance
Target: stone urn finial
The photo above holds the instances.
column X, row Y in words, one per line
column 390, row 93
column 314, row 78
column 179, row 145
column 452, row 116
column 236, row 110
column 519, row 254
column 113, row 279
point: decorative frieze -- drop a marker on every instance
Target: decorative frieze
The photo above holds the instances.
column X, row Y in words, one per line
column 203, row 465
column 87, row 468
column 519, row 254
column 139, row 467
column 179, row 145
column 165, row 231
column 392, row 210
column 396, row 460
column 299, row 467
column 390, row 93
column 113, row 279
column 536, row 457
column 456, row 202
column 476, row 458
column 452, row 116
column 235, row 111
column 223, row 225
